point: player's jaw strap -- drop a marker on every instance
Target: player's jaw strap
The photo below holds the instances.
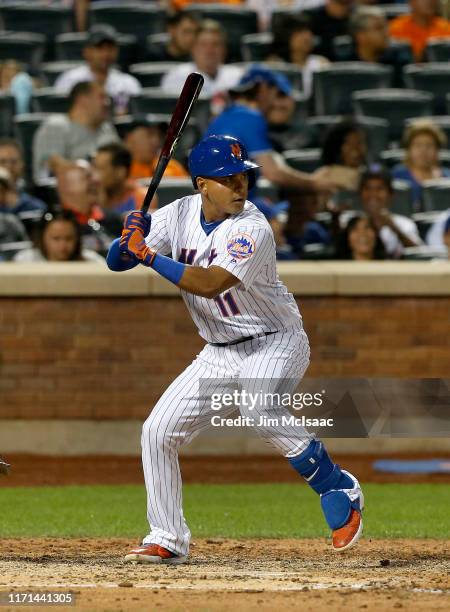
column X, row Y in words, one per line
column 327, row 479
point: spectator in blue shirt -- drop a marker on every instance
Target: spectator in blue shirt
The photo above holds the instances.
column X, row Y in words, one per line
column 245, row 119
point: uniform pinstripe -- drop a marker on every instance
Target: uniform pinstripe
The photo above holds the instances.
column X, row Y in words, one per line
column 270, row 364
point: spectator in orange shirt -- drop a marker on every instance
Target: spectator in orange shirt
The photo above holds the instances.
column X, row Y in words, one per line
column 178, row 5
column 420, row 25
column 118, row 191
column 144, row 139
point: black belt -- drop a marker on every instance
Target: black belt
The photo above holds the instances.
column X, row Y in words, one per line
column 242, row 339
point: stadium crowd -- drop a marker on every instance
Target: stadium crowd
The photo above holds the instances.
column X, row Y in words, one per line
column 345, row 105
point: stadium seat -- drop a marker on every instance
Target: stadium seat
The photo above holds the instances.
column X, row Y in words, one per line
column 70, row 47
column 149, row 74
column 436, row 194
column 25, row 47
column 402, row 201
column 237, row 21
column 392, row 157
column 424, row 221
column 391, row 11
column 267, row 189
column 438, row 50
column 376, row 132
column 256, row 47
column 343, row 48
column 7, row 111
column 171, row 189
column 279, row 18
column 423, row 253
column 44, row 19
column 47, row 100
column 333, row 86
column 447, row 97
column 25, row 127
column 306, row 160
column 395, row 105
column 50, row 71
column 139, row 19
column 291, row 72
column 154, row 43
column 153, row 100
column 433, row 77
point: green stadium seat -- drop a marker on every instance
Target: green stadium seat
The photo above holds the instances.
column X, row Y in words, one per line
column 139, row 19
column 50, row 71
column 47, row 100
column 7, row 111
column 391, row 11
column 306, row 160
column 237, row 21
column 438, row 50
column 402, row 201
column 25, row 127
column 149, row 74
column 154, row 44
column 25, row 47
column 423, row 253
column 70, row 47
column 447, row 97
column 376, row 132
column 171, row 189
column 395, row 105
column 153, row 100
column 291, row 72
column 334, row 85
column 342, row 47
column 256, row 47
column 49, row 20
column 424, row 221
column 432, row 77
column 436, row 195
column 266, row 189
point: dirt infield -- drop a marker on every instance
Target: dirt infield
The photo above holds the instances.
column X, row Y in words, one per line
column 235, row 575
column 37, row 470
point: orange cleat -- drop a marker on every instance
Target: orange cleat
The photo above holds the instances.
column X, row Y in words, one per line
column 154, row 553
column 349, row 534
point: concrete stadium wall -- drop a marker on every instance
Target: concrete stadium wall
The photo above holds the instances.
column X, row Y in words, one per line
column 79, row 343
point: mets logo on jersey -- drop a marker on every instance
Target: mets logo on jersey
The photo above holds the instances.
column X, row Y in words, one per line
column 236, row 150
column 241, row 246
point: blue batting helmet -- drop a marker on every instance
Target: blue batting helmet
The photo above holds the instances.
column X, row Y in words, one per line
column 220, row 156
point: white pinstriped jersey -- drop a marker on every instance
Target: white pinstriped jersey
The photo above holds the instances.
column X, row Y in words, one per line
column 244, row 245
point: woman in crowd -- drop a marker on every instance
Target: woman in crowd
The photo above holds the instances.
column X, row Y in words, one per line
column 16, row 83
column 294, row 43
column 359, row 240
column 422, row 140
column 344, row 154
column 58, row 238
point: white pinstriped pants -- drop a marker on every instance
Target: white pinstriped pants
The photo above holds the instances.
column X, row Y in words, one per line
column 275, row 363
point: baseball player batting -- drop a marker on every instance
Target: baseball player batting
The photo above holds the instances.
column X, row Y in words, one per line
column 223, row 260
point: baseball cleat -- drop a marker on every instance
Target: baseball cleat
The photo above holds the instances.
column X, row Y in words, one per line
column 349, row 534
column 154, row 553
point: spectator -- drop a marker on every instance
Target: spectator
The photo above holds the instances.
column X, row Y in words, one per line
column 422, row 140
column 208, row 54
column 436, row 233
column 182, row 28
column 101, row 52
column 117, row 191
column 395, row 231
column 370, row 38
column 245, row 119
column 15, row 81
column 144, row 139
column 78, row 192
column 11, row 229
column 61, row 139
column 57, row 238
column 294, row 43
column 359, row 240
column 18, row 200
column 284, row 132
column 329, row 21
column 420, row 25
column 344, row 154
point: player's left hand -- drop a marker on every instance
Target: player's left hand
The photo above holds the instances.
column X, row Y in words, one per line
column 137, row 220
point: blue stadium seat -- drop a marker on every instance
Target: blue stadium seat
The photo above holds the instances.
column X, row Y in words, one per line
column 25, row 47
column 149, row 74
column 432, row 77
column 139, row 19
column 334, row 85
column 395, row 105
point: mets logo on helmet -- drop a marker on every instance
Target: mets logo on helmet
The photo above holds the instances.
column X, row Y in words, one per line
column 236, row 150
column 241, row 246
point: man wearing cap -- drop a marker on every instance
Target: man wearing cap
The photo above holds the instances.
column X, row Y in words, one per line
column 245, row 119
column 101, row 52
